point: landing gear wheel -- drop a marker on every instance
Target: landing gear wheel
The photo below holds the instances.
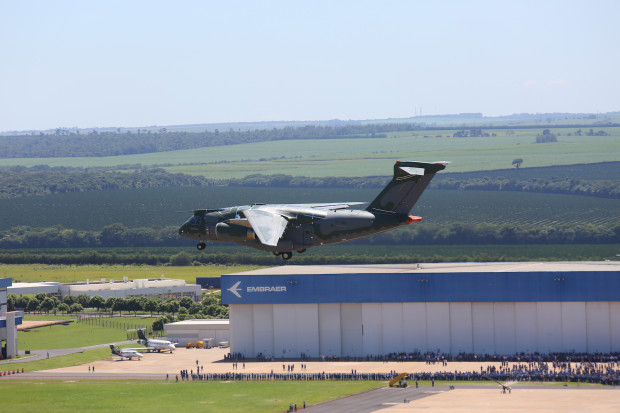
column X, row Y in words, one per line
column 201, row 246
column 276, row 253
column 286, row 255
column 301, row 251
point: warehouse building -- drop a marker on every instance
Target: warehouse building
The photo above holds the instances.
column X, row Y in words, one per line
column 161, row 288
column 482, row 308
column 186, row 331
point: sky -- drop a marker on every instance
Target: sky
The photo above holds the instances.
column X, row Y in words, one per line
column 107, row 63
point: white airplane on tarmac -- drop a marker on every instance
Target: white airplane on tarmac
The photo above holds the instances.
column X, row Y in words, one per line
column 152, row 344
column 127, row 353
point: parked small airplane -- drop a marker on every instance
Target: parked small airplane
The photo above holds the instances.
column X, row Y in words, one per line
column 282, row 228
column 153, row 344
column 128, row 353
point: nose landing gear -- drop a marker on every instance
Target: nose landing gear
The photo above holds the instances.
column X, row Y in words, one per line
column 201, row 246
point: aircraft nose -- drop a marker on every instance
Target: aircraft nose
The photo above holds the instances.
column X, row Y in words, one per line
column 183, row 229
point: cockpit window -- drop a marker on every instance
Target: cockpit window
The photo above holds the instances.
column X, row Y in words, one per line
column 195, row 220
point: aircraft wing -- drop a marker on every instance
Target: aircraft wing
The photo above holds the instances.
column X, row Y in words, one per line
column 331, row 206
column 268, row 224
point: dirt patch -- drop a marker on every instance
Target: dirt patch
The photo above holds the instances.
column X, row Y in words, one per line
column 29, row 325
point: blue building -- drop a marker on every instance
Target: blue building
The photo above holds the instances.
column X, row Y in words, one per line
column 483, row 308
column 8, row 322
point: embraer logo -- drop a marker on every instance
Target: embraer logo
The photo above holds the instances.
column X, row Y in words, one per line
column 235, row 290
column 260, row 289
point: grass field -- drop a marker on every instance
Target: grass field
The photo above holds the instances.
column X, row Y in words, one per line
column 365, row 157
column 172, row 397
column 73, row 273
column 74, row 359
column 81, row 334
column 343, row 253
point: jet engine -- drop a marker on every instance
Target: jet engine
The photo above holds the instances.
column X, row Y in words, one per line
column 233, row 232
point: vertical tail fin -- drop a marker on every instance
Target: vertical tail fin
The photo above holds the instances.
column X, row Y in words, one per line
column 141, row 335
column 409, row 181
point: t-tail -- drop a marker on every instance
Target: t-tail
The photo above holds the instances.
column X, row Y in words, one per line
column 141, row 335
column 410, row 179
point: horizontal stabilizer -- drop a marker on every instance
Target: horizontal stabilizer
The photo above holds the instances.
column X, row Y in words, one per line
column 410, row 179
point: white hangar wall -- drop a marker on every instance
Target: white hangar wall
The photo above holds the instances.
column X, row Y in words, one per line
column 360, row 329
column 492, row 308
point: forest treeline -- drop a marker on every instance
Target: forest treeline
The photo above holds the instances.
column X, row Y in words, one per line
column 20, row 181
column 41, row 180
column 65, row 143
column 171, row 309
column 117, row 235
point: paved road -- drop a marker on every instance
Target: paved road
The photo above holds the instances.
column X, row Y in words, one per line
column 374, row 400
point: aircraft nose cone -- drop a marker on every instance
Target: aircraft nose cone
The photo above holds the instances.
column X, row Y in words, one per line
column 183, row 229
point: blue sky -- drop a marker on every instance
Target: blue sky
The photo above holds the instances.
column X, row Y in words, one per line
column 139, row 63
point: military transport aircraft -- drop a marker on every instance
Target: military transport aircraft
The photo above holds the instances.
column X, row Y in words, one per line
column 283, row 228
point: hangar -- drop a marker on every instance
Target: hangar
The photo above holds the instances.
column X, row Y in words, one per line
column 186, row 331
column 481, row 308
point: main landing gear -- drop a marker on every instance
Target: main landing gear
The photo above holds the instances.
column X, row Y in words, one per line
column 201, row 246
column 287, row 255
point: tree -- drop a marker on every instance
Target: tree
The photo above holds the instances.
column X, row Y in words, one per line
column 195, row 308
column 11, row 300
column 76, row 308
column 120, row 304
column 47, row 305
column 151, row 304
column 83, row 300
column 517, row 162
column 172, row 306
column 69, row 299
column 181, row 259
column 97, row 301
column 63, row 307
column 186, row 302
column 158, row 325
column 33, row 305
column 22, row 302
column 109, row 304
column 133, row 304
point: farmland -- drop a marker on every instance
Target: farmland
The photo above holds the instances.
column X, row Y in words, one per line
column 160, row 207
column 363, row 156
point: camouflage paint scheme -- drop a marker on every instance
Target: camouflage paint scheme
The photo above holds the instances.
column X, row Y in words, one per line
column 283, row 228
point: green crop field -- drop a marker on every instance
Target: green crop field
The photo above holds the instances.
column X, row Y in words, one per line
column 138, row 396
column 364, row 157
column 159, row 207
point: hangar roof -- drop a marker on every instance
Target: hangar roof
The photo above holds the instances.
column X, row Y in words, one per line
column 452, row 282
column 458, row 267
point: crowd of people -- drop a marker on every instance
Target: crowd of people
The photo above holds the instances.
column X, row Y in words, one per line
column 551, row 367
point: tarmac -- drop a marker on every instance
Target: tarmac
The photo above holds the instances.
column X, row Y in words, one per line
column 477, row 396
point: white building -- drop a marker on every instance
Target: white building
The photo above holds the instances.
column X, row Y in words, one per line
column 186, row 331
column 483, row 308
column 8, row 322
column 162, row 288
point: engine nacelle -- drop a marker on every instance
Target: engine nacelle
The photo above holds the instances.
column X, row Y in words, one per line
column 233, row 233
